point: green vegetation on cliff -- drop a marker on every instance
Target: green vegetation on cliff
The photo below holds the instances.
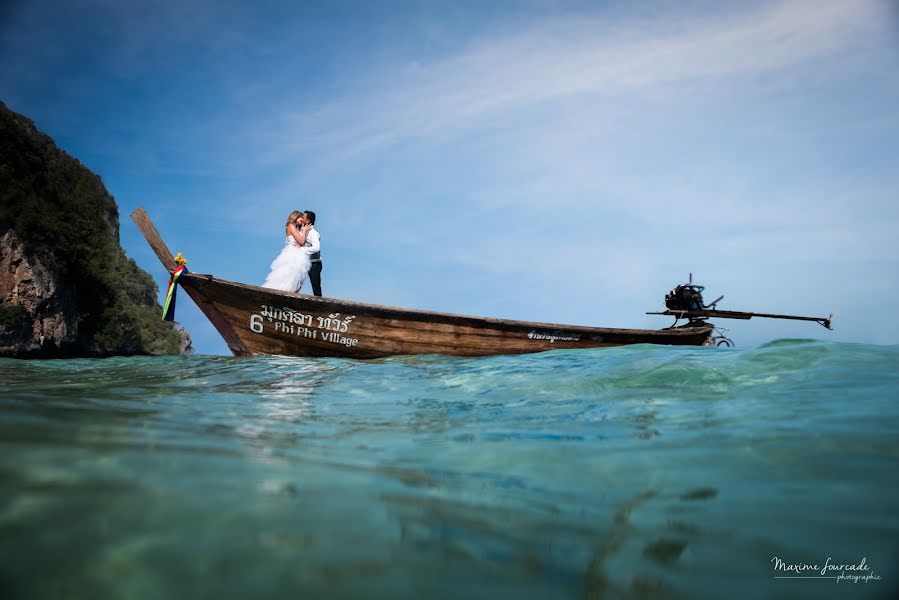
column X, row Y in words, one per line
column 11, row 315
column 66, row 219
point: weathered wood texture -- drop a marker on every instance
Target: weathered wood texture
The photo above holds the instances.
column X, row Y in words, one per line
column 255, row 320
column 143, row 222
column 221, row 324
column 274, row 322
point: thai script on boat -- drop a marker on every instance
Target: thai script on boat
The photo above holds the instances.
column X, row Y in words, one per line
column 554, row 336
column 287, row 315
column 332, row 322
column 288, row 320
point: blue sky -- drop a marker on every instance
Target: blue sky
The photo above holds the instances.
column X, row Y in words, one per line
column 546, row 160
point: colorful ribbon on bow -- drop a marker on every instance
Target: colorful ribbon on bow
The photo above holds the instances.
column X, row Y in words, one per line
column 168, row 311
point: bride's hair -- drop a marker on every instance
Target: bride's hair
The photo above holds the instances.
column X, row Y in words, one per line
column 292, row 218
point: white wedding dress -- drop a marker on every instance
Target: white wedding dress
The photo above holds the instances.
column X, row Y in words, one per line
column 289, row 269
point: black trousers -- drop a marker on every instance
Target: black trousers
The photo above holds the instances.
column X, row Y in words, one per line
column 315, row 277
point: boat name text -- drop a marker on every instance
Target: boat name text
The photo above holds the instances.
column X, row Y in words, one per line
column 554, row 336
column 287, row 320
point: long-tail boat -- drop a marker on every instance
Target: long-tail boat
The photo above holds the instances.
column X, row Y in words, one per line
column 255, row 320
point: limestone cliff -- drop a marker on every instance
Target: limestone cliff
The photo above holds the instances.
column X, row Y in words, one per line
column 35, row 314
column 66, row 287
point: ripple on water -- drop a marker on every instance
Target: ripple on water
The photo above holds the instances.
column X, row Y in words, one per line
column 624, row 472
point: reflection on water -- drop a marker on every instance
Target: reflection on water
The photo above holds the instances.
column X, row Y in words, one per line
column 637, row 472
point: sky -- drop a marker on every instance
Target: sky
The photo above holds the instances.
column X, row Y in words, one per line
column 556, row 161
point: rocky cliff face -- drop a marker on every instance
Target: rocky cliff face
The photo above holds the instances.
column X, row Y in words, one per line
column 36, row 313
column 66, row 287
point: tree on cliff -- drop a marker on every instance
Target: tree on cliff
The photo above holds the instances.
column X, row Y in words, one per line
column 68, row 225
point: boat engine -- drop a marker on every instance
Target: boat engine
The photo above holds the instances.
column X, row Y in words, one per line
column 685, row 297
column 685, row 302
column 688, row 297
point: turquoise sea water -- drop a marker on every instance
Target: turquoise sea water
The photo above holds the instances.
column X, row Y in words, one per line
column 635, row 472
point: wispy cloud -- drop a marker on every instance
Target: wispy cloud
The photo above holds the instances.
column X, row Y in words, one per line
column 597, row 154
column 571, row 60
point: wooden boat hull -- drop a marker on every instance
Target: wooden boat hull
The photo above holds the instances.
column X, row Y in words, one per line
column 255, row 320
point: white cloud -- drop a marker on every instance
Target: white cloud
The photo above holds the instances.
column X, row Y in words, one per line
column 683, row 142
column 565, row 60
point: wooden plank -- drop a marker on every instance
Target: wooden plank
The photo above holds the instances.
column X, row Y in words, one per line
column 390, row 332
column 221, row 324
column 218, row 320
column 278, row 298
column 143, row 222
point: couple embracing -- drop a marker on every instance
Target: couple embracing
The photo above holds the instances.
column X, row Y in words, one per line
column 300, row 258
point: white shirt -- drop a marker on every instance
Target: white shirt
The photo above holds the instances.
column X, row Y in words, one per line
column 313, row 242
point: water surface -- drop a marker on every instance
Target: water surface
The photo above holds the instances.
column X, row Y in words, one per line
column 634, row 472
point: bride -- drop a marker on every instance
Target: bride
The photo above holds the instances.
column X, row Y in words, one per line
column 289, row 269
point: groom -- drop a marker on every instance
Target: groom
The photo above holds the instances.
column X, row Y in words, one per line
column 313, row 248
